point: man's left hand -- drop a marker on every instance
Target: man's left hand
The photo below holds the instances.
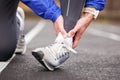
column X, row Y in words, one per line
column 80, row 27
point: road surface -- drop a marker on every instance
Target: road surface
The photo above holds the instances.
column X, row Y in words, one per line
column 98, row 55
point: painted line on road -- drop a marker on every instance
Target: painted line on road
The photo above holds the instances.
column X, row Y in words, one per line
column 28, row 37
column 104, row 34
column 4, row 64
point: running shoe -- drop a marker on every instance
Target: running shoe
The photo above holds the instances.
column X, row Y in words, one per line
column 21, row 45
column 53, row 55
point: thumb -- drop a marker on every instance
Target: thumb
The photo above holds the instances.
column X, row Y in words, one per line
column 71, row 33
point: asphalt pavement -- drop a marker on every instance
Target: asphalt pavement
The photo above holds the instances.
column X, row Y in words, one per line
column 98, row 56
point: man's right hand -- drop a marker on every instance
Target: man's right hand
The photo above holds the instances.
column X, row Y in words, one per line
column 59, row 26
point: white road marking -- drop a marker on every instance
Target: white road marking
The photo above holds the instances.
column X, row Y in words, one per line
column 104, row 34
column 4, row 64
column 29, row 36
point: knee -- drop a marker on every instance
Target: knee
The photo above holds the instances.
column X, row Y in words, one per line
column 6, row 52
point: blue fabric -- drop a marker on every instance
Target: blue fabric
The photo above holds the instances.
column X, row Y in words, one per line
column 49, row 10
column 98, row 4
column 45, row 8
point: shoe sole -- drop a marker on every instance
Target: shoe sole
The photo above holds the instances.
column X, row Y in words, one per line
column 21, row 51
column 39, row 57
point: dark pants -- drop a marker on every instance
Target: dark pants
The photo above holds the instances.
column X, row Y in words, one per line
column 8, row 28
column 71, row 11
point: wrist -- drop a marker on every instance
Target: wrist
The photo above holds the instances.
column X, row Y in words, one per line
column 92, row 11
column 88, row 16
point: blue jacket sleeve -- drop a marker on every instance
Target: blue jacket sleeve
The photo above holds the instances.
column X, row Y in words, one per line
column 47, row 9
column 98, row 4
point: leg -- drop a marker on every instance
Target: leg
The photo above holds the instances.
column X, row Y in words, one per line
column 8, row 42
column 8, row 29
column 71, row 11
column 21, row 46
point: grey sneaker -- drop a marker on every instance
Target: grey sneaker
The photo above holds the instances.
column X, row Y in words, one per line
column 53, row 55
column 21, row 45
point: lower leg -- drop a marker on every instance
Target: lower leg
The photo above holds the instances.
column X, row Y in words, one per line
column 9, row 34
column 71, row 11
column 7, row 51
column 8, row 42
column 21, row 46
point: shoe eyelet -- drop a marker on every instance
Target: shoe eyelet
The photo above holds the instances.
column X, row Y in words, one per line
column 67, row 53
column 60, row 56
column 63, row 55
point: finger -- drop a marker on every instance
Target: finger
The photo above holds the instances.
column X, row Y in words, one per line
column 73, row 31
column 76, row 39
column 75, row 44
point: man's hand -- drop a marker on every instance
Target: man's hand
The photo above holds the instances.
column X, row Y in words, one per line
column 80, row 27
column 58, row 26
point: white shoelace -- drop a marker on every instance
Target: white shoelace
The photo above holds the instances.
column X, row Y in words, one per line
column 60, row 51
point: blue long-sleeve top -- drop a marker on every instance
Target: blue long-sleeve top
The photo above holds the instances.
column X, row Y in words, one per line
column 47, row 9
column 98, row 4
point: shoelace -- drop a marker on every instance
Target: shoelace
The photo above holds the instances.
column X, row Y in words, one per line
column 59, row 51
column 21, row 41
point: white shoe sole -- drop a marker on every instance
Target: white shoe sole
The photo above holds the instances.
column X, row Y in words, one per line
column 21, row 51
column 39, row 57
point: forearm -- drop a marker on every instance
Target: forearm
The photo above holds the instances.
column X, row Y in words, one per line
column 84, row 21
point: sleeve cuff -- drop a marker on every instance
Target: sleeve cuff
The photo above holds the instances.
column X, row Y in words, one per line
column 95, row 5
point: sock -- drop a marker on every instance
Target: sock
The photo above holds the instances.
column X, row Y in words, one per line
column 68, row 41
